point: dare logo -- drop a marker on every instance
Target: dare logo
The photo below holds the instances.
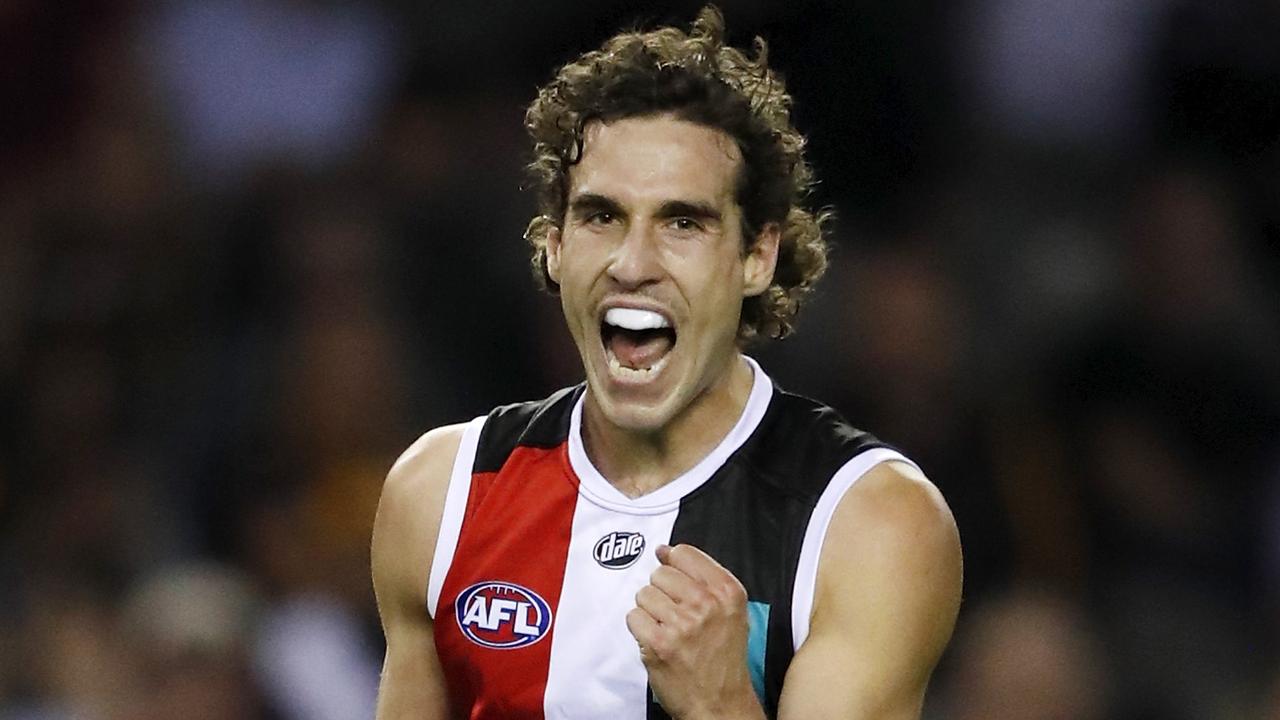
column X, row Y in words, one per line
column 502, row 615
column 619, row 550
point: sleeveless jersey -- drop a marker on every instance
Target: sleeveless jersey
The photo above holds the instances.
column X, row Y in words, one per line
column 539, row 558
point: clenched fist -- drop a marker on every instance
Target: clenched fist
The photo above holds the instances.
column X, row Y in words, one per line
column 691, row 624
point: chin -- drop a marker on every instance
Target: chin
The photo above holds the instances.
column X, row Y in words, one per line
column 635, row 417
column 633, row 414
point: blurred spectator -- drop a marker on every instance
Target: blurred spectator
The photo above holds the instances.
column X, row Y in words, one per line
column 1172, row 413
column 191, row 629
column 263, row 81
column 68, row 657
column 1053, row 73
column 1028, row 655
column 315, row 661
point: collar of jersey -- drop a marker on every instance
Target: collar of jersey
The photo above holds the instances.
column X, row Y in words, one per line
column 600, row 491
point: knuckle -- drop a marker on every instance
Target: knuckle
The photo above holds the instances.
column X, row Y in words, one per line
column 682, row 552
column 733, row 591
column 691, row 627
column 700, row 604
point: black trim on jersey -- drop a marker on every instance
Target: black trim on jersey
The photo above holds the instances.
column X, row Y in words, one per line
column 540, row 424
column 751, row 515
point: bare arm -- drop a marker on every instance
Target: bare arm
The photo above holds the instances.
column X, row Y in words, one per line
column 888, row 590
column 404, row 540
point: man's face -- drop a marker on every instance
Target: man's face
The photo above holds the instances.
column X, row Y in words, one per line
column 651, row 268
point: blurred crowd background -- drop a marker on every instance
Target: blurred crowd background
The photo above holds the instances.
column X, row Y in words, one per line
column 250, row 249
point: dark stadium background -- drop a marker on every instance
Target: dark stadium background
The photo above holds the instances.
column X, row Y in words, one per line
column 250, row 249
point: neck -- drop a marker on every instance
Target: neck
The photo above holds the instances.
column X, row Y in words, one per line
column 637, row 463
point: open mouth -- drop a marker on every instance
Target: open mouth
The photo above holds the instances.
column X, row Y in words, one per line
column 637, row 342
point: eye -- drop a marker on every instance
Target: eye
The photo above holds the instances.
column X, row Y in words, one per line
column 604, row 217
column 686, row 224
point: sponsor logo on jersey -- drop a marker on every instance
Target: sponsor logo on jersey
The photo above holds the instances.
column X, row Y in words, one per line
column 618, row 550
column 502, row 615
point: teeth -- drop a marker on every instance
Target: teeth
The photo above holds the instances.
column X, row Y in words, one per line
column 633, row 319
column 620, row 370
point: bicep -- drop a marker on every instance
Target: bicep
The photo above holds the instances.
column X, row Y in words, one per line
column 829, row 678
column 886, row 600
column 404, row 538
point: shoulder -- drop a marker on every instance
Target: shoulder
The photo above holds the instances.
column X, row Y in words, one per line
column 893, row 519
column 895, row 501
column 892, row 552
column 408, row 519
column 885, row 601
column 422, row 471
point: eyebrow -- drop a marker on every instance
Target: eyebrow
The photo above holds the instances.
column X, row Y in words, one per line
column 588, row 204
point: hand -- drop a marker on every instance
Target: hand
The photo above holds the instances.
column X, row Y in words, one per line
column 691, row 624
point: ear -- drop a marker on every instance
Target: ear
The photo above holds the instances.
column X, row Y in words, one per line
column 553, row 253
column 761, row 261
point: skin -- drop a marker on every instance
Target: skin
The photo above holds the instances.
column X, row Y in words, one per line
column 629, row 239
column 404, row 539
column 653, row 224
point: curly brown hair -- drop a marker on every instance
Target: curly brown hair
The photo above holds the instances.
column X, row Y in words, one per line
column 693, row 76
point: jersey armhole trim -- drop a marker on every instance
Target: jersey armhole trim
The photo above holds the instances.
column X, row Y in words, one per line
column 816, row 532
column 455, row 506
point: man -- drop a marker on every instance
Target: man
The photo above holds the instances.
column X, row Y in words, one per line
column 676, row 537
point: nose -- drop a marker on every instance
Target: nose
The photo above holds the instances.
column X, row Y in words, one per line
column 636, row 260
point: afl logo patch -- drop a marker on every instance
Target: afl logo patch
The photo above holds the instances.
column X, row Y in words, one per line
column 619, row 550
column 502, row 615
